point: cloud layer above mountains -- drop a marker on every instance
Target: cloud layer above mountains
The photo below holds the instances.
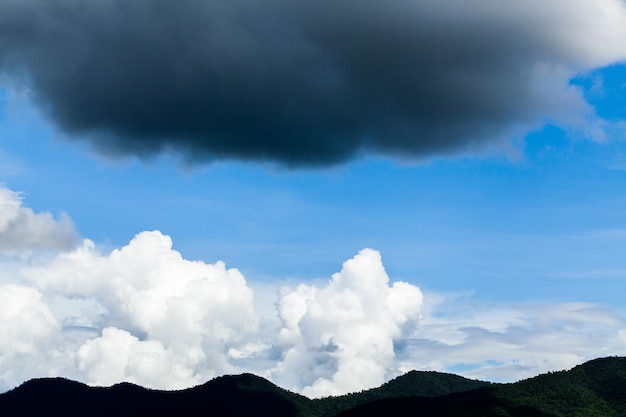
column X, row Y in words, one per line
column 143, row 313
column 310, row 82
column 167, row 322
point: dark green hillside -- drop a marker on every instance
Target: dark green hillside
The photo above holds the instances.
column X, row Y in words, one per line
column 411, row 384
column 425, row 384
column 239, row 396
column 58, row 396
column 246, row 395
column 481, row 402
column 594, row 389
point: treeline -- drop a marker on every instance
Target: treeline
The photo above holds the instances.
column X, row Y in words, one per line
column 596, row 388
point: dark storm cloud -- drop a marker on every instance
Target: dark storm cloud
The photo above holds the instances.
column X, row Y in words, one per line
column 295, row 82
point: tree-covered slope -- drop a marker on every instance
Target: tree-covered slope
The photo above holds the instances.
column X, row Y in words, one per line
column 596, row 388
column 241, row 395
column 411, row 384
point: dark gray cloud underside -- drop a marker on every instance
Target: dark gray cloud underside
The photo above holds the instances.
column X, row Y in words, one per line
column 298, row 83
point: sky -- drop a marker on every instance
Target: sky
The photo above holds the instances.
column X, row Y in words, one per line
column 324, row 193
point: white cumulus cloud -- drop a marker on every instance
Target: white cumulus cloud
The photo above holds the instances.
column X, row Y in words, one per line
column 168, row 322
column 158, row 306
column 340, row 338
column 143, row 313
column 27, row 330
column 22, row 229
column 119, row 356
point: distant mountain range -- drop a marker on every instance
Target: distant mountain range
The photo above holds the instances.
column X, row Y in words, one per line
column 596, row 388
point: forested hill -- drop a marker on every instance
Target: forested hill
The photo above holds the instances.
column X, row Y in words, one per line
column 238, row 396
column 596, row 388
column 411, row 384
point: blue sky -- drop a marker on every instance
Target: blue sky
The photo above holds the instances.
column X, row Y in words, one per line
column 546, row 214
column 523, row 232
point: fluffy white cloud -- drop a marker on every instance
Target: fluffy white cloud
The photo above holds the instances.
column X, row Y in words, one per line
column 22, row 229
column 151, row 317
column 158, row 306
column 27, row 330
column 169, row 322
column 25, row 319
column 143, row 313
column 340, row 338
column 119, row 356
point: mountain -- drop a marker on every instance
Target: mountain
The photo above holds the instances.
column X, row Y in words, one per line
column 596, row 388
column 411, row 384
column 242, row 395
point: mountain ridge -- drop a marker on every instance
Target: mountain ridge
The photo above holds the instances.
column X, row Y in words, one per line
column 595, row 388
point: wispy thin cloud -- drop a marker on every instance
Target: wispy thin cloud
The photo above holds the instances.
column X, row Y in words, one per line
column 510, row 341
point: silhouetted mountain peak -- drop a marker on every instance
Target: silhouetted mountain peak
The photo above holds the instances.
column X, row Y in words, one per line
column 594, row 389
column 49, row 387
column 430, row 384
